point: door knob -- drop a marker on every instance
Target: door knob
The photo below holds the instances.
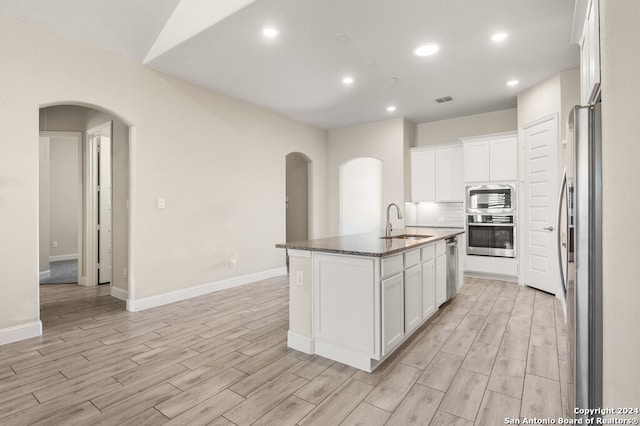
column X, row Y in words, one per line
column 548, row 228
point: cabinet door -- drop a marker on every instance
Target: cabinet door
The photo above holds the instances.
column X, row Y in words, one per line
column 476, row 161
column 503, row 159
column 428, row 288
column 392, row 312
column 449, row 185
column 441, row 279
column 423, row 175
column 412, row 302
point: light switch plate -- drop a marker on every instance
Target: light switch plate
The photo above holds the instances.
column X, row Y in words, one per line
column 299, row 278
column 161, row 203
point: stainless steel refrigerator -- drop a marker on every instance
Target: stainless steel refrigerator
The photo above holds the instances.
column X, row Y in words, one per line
column 580, row 253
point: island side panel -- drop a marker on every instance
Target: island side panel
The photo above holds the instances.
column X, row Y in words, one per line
column 346, row 306
column 300, row 335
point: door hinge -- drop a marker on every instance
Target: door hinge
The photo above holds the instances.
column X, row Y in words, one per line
column 98, row 187
column 98, row 227
column 98, row 266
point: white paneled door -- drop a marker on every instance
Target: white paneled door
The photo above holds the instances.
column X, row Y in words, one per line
column 539, row 264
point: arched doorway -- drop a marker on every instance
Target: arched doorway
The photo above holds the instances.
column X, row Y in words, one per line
column 360, row 196
column 101, row 191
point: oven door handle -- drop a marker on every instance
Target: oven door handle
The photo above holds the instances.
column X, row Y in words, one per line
column 492, row 224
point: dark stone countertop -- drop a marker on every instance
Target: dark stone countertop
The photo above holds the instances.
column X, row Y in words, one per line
column 372, row 244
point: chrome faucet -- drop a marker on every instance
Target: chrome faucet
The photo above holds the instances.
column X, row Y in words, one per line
column 389, row 227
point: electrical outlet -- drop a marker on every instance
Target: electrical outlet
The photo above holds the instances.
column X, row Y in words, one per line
column 299, row 278
column 54, row 244
column 233, row 262
column 124, row 273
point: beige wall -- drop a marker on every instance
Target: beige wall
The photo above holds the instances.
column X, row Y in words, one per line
column 384, row 141
column 540, row 101
column 620, row 63
column 448, row 131
column 217, row 161
column 64, row 193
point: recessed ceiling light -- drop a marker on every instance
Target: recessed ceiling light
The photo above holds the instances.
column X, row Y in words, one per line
column 348, row 80
column 512, row 83
column 391, row 108
column 426, row 49
column 499, row 36
column 341, row 37
column 270, row 32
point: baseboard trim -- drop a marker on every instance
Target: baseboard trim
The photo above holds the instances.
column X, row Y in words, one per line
column 119, row 293
column 20, row 332
column 491, row 276
column 300, row 343
column 63, row 257
column 45, row 274
column 135, row 305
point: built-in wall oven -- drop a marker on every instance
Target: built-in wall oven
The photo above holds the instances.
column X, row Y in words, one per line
column 491, row 220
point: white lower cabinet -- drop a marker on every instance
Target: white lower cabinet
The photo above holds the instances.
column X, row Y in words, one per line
column 364, row 307
column 428, row 289
column 392, row 291
column 412, row 302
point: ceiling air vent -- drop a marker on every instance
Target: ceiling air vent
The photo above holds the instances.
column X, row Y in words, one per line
column 444, row 99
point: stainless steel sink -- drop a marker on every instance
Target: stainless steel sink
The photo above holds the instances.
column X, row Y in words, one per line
column 407, row 237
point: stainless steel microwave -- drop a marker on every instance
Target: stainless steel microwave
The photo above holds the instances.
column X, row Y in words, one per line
column 491, row 199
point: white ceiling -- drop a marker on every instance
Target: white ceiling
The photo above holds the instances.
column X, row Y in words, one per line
column 299, row 73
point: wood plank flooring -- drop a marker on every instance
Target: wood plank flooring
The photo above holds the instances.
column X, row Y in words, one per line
column 495, row 351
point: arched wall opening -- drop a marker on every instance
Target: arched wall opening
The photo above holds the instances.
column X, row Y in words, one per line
column 91, row 123
column 360, row 196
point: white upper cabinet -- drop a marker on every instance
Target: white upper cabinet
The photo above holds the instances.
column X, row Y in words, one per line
column 423, row 175
column 449, row 185
column 476, row 161
column 590, row 54
column 436, row 174
column 491, row 158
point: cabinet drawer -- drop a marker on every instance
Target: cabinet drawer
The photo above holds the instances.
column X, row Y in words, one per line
column 428, row 252
column 392, row 265
column 411, row 258
column 441, row 248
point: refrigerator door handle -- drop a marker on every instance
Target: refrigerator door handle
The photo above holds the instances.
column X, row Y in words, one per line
column 563, row 279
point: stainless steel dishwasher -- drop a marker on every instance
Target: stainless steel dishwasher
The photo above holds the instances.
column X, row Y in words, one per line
column 452, row 266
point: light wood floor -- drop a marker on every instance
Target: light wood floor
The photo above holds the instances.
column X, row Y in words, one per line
column 497, row 350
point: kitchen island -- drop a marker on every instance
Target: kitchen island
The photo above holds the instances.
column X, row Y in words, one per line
column 356, row 298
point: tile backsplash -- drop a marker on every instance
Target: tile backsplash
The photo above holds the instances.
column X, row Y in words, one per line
column 434, row 214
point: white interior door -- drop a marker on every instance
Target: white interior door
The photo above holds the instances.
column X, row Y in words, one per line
column 539, row 193
column 104, row 209
column 98, row 206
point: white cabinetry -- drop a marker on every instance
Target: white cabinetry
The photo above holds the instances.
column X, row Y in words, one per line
column 441, row 273
column 392, row 312
column 412, row 302
column 490, row 158
column 428, row 280
column 423, row 175
column 364, row 307
column 436, row 173
column 590, row 54
column 449, row 174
